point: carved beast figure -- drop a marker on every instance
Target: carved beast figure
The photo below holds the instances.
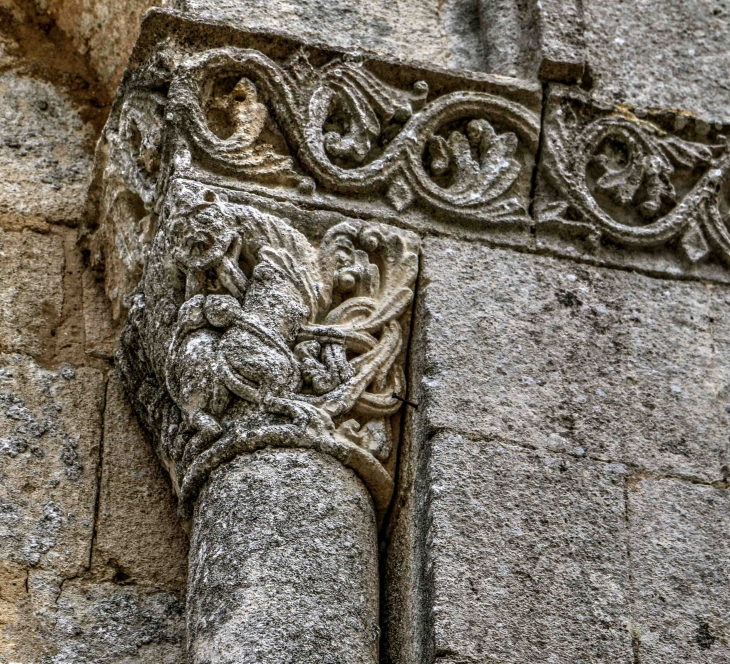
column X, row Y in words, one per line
column 260, row 338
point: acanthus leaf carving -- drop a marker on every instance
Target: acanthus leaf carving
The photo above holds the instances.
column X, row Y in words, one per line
column 353, row 134
column 249, row 329
column 256, row 337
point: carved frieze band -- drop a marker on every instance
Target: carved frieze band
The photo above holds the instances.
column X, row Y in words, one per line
column 239, row 113
column 641, row 183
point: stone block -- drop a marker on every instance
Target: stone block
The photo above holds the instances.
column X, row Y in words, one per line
column 534, row 39
column 680, row 559
column 45, row 161
column 104, row 32
column 562, row 43
column 552, row 354
column 138, row 535
column 50, row 428
column 86, row 622
column 661, row 53
column 428, row 31
column 100, row 332
column 31, row 290
column 526, row 555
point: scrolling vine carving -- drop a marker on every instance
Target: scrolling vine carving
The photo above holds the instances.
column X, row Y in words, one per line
column 341, row 128
column 246, row 331
column 634, row 183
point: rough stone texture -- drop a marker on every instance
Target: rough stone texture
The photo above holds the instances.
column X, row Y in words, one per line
column 526, row 555
column 49, row 447
column 52, row 609
column 105, row 31
column 680, row 560
column 100, row 331
column 83, row 622
column 138, row 536
column 13, row 578
column 31, row 289
column 647, row 190
column 532, row 39
column 547, row 353
column 440, row 33
column 283, row 563
column 44, row 158
column 562, row 43
column 661, row 53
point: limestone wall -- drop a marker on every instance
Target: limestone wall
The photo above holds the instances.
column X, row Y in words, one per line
column 562, row 489
column 92, row 558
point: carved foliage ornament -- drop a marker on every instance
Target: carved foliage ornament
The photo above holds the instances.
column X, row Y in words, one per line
column 634, row 183
column 245, row 334
column 340, row 127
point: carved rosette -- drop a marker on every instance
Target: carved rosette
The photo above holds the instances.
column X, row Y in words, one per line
column 659, row 181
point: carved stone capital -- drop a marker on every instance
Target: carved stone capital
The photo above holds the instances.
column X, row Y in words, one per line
column 243, row 182
column 257, row 200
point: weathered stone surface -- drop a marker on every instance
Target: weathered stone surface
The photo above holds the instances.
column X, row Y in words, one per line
column 100, row 330
column 661, row 53
column 551, row 354
column 31, row 290
column 13, row 579
column 138, row 537
column 560, row 26
column 423, row 30
column 45, row 163
column 50, row 423
column 283, row 563
column 680, row 560
column 525, row 555
column 97, row 623
column 646, row 190
column 103, row 31
column 534, row 39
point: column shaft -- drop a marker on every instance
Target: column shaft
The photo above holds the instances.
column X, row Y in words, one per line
column 283, row 564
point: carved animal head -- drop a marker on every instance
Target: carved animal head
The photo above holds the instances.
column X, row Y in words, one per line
column 200, row 237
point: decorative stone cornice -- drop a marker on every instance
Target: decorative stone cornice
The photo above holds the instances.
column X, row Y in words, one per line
column 647, row 189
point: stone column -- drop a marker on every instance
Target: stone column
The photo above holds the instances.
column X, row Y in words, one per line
column 283, row 563
column 257, row 201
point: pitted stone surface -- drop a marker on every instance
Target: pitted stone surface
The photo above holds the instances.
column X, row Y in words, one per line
column 82, row 622
column 138, row 536
column 45, row 163
column 661, row 53
column 283, row 564
column 680, row 560
column 526, row 555
column 50, row 429
column 31, row 290
column 439, row 33
column 551, row 354
column 103, row 31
